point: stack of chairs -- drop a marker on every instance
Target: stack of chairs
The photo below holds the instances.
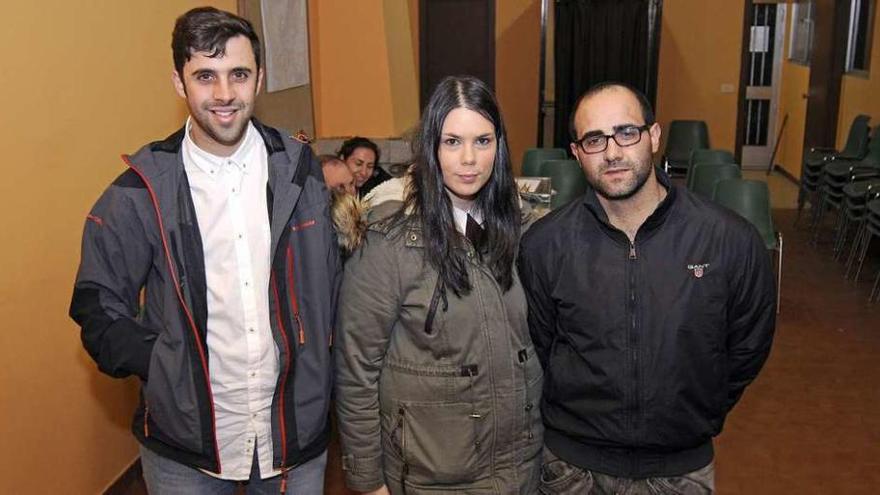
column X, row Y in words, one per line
column 817, row 158
column 869, row 228
column 835, row 176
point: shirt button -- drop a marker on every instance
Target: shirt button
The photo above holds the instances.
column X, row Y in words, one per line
column 251, row 329
column 253, row 374
column 247, row 284
column 240, row 236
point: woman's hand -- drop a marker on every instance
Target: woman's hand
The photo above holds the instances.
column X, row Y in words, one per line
column 381, row 491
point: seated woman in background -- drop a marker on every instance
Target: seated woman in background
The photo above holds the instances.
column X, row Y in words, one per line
column 362, row 157
column 438, row 385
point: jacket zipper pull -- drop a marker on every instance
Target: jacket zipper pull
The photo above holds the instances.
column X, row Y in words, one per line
column 632, row 251
column 146, row 424
column 302, row 333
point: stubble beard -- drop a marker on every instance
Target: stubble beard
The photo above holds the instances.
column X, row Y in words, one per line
column 641, row 172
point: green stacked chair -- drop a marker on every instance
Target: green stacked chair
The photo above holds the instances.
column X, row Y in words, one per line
column 566, row 178
column 855, row 195
column 837, row 174
column 684, row 137
column 873, row 223
column 534, row 157
column 707, row 156
column 870, row 230
column 816, row 158
column 705, row 176
column 751, row 199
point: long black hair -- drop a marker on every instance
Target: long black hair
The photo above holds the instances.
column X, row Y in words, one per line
column 497, row 201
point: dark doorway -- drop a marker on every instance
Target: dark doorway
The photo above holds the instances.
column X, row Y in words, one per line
column 456, row 37
column 603, row 40
column 827, row 62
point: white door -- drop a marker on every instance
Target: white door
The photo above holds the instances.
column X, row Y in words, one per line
column 764, row 68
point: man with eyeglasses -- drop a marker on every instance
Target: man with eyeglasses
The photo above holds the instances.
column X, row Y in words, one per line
column 650, row 308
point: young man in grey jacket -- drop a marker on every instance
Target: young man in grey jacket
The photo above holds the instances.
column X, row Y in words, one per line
column 209, row 269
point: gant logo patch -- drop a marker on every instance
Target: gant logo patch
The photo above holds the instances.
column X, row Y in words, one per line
column 699, row 270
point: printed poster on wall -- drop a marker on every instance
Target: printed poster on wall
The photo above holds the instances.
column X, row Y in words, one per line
column 286, row 34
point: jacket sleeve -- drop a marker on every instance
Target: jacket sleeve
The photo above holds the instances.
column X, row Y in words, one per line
column 368, row 309
column 752, row 315
column 114, row 263
column 542, row 311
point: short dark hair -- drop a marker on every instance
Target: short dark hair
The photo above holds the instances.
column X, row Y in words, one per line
column 330, row 160
column 647, row 111
column 206, row 29
column 356, row 142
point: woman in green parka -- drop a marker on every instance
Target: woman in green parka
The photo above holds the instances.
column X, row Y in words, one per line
column 438, row 386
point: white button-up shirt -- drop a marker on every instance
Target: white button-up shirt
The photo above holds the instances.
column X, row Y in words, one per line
column 229, row 194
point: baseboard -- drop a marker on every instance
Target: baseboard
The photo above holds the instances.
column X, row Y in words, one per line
column 128, row 478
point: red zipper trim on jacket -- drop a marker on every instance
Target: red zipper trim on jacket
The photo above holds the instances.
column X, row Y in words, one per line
column 294, row 303
column 189, row 316
column 283, row 375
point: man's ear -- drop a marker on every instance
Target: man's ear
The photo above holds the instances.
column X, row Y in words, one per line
column 655, row 137
column 178, row 84
column 574, row 149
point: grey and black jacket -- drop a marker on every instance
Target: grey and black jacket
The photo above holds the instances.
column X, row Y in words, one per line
column 646, row 345
column 434, row 391
column 140, row 298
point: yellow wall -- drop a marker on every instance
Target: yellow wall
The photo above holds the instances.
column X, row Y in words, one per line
column 86, row 81
column 365, row 67
column 364, row 73
column 795, row 84
column 859, row 94
column 517, row 59
column 697, row 56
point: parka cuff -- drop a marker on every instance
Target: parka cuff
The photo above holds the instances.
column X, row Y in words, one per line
column 363, row 474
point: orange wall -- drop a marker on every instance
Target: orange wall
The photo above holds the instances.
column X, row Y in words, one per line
column 795, row 84
column 517, row 66
column 365, row 67
column 364, row 75
column 859, row 94
column 88, row 81
column 697, row 56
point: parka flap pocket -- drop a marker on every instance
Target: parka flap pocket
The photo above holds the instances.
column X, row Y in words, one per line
column 444, row 442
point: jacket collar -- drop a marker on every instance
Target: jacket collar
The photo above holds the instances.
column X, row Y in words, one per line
column 654, row 221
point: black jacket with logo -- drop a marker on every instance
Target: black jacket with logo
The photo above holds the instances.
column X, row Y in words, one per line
column 646, row 346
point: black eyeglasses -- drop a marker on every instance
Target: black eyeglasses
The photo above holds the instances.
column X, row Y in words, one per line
column 623, row 136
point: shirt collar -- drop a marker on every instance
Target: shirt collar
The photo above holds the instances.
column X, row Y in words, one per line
column 210, row 163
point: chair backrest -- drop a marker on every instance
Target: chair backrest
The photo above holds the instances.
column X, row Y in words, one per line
column 707, row 175
column 533, row 157
column 566, row 178
column 751, row 199
column 684, row 137
column 873, row 155
column 857, row 140
column 708, row 156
